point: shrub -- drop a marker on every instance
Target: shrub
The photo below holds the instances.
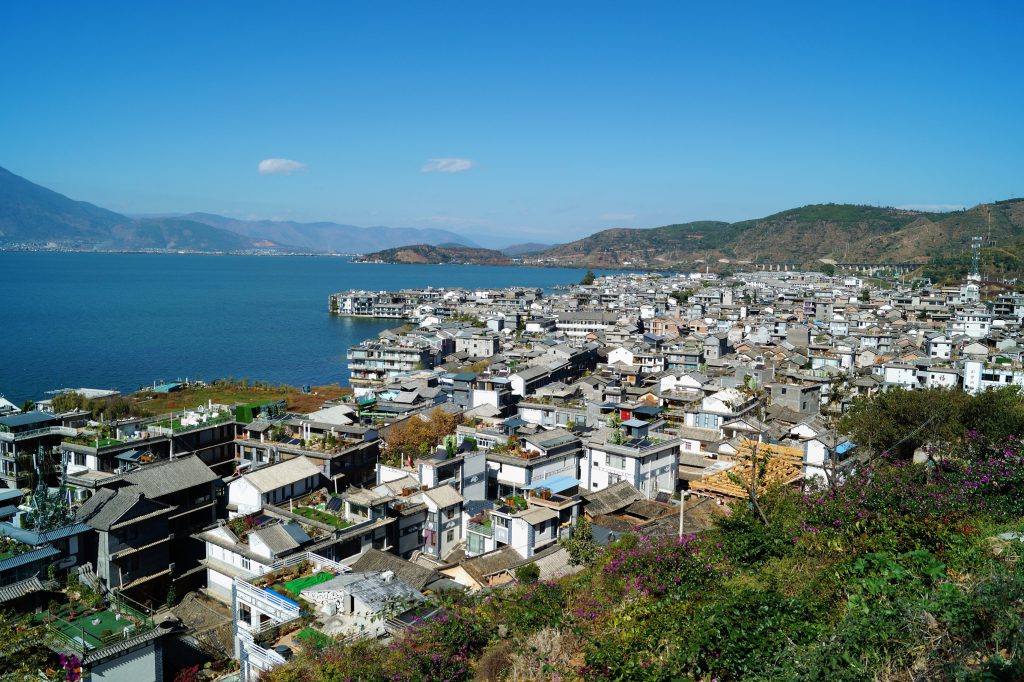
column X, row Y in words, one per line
column 528, row 573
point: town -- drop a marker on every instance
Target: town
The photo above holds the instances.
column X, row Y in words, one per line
column 480, row 435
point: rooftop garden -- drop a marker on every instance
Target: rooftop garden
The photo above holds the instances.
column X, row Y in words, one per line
column 10, row 547
column 312, row 639
column 290, row 581
column 241, row 526
column 95, row 441
column 175, row 424
column 414, row 437
column 514, row 503
column 85, row 622
column 230, row 391
column 322, row 516
column 294, row 587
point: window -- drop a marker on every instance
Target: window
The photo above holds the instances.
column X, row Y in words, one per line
column 246, row 563
column 616, row 461
column 451, row 536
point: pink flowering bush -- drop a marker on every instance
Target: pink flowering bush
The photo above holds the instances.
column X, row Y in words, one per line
column 924, row 502
column 660, row 565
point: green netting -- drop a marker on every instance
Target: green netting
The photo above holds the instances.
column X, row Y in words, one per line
column 296, row 586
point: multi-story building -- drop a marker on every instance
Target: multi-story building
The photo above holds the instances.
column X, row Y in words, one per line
column 23, row 438
column 648, row 461
column 145, row 522
column 374, row 362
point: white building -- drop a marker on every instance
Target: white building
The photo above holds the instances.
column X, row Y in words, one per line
column 649, row 462
column 981, row 376
column 274, row 484
column 442, row 531
column 229, row 556
column 360, row 604
column 973, row 322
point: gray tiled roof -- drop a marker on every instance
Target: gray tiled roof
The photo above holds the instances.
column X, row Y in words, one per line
column 164, row 478
column 20, row 589
column 34, row 538
column 443, row 496
column 279, row 475
column 502, row 559
column 611, row 499
column 278, row 539
column 40, row 554
column 107, row 507
column 414, row 575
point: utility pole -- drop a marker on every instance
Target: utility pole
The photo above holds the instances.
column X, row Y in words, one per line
column 682, row 513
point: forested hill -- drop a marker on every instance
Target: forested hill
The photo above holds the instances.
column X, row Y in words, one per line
column 840, row 232
column 445, row 253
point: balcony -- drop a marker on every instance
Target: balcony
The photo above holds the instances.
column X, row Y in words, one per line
column 485, row 529
column 10, row 437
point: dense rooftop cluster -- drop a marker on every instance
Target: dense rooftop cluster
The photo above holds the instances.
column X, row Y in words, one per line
column 597, row 454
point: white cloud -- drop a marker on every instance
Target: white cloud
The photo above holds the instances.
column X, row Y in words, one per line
column 279, row 167
column 447, row 165
column 627, row 217
column 933, row 208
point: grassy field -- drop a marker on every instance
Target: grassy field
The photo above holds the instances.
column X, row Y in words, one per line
column 238, row 392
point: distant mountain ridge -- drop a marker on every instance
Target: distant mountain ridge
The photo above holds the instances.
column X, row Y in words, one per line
column 328, row 236
column 840, row 232
column 34, row 217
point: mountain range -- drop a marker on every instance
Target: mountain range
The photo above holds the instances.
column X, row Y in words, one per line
column 32, row 216
column 331, row 237
column 842, row 233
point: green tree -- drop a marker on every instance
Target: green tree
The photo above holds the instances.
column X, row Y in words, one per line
column 24, row 652
column 828, row 269
column 66, row 402
column 581, row 547
column 900, row 421
column 528, row 573
column 588, row 278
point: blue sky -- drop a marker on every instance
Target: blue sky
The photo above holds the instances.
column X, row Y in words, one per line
column 514, row 122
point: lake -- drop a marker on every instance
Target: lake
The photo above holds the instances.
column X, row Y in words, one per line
column 106, row 320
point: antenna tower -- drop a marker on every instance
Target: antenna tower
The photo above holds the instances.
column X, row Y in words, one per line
column 975, row 275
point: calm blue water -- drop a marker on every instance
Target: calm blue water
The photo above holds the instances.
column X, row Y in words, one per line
column 124, row 320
